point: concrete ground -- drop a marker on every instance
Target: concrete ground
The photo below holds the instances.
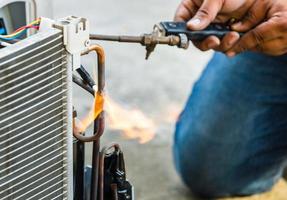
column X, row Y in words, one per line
column 159, row 87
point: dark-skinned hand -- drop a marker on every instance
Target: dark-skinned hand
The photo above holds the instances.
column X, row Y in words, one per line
column 200, row 13
column 266, row 23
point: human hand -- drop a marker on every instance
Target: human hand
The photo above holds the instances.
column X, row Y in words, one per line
column 267, row 20
column 200, row 13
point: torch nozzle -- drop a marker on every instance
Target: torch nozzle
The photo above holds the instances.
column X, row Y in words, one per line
column 148, row 40
column 117, row 38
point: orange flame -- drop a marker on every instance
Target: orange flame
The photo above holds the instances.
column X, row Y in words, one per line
column 133, row 123
column 97, row 109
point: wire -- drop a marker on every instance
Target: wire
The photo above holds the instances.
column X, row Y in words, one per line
column 18, row 34
column 22, row 30
column 82, row 84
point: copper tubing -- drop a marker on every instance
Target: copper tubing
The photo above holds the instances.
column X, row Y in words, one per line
column 105, row 150
column 114, row 189
column 100, row 121
column 101, row 65
column 98, row 131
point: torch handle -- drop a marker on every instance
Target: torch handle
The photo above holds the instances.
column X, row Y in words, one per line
column 177, row 28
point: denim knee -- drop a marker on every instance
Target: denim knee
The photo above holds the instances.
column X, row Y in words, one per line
column 231, row 137
column 212, row 169
column 200, row 173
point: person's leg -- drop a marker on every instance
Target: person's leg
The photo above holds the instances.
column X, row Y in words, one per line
column 231, row 138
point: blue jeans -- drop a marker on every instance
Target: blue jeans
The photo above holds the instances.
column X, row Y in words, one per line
column 231, row 138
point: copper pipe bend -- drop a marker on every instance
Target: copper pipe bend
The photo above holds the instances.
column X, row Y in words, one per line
column 99, row 123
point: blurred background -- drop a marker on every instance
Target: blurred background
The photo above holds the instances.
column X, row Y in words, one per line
column 148, row 94
column 145, row 97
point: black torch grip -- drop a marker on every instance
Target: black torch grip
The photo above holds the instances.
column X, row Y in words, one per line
column 177, row 28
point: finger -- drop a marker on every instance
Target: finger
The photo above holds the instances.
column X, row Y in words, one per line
column 228, row 41
column 206, row 14
column 211, row 42
column 185, row 11
column 262, row 33
column 273, row 47
column 254, row 16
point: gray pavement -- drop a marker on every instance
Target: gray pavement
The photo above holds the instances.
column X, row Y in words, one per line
column 153, row 86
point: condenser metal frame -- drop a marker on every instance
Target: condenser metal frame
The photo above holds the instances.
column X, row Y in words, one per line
column 30, row 95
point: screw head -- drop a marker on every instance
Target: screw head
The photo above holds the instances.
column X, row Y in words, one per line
column 87, row 43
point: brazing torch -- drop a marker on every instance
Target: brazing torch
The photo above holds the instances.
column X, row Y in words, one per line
column 168, row 33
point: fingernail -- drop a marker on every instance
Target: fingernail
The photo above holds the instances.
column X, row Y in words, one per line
column 231, row 54
column 237, row 25
column 194, row 22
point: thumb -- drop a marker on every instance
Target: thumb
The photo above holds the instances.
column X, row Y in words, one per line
column 206, row 14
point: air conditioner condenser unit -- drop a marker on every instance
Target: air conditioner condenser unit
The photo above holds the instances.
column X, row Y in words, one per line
column 35, row 118
column 41, row 154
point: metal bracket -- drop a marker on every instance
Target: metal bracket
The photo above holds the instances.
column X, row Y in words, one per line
column 76, row 36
